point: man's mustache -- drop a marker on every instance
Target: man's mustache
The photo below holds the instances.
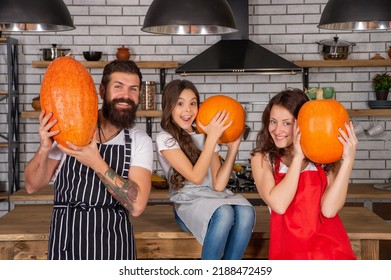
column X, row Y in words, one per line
column 124, row 100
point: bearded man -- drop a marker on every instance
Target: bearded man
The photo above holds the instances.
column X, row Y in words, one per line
column 98, row 185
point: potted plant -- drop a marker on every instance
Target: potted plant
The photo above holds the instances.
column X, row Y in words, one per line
column 381, row 83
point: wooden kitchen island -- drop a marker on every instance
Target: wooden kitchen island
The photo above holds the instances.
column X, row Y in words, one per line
column 24, row 233
column 364, row 193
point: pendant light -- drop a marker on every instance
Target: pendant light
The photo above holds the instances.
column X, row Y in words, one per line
column 34, row 15
column 356, row 15
column 189, row 17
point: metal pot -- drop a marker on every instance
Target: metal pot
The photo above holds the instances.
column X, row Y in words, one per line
column 50, row 54
column 335, row 49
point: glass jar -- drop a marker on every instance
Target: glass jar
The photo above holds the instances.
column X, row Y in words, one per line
column 148, row 95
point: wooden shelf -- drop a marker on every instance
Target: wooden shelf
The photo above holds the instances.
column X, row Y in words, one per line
column 3, row 145
column 102, row 64
column 344, row 63
column 140, row 113
column 300, row 63
column 3, row 92
column 369, row 112
column 158, row 113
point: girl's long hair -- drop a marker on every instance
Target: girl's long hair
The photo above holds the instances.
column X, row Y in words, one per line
column 171, row 93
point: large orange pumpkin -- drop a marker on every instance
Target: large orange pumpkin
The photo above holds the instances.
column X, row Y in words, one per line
column 319, row 121
column 69, row 92
column 216, row 103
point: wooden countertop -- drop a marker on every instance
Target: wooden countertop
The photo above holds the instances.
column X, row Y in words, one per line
column 356, row 191
column 157, row 222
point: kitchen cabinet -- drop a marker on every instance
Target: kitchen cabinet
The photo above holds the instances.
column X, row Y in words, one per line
column 9, row 98
column 161, row 65
column 306, row 64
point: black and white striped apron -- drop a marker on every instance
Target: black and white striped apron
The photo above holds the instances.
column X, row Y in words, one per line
column 87, row 222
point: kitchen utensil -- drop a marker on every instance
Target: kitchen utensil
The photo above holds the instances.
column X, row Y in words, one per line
column 328, row 92
column 247, row 130
column 50, row 54
column 384, row 187
column 375, row 130
column 123, row 53
column 311, row 93
column 358, row 129
column 158, row 181
column 36, row 104
column 335, row 49
column 92, row 55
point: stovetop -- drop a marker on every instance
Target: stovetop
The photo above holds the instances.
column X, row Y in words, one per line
column 242, row 181
column 241, row 185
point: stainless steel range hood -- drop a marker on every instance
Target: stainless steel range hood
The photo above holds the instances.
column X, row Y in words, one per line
column 236, row 54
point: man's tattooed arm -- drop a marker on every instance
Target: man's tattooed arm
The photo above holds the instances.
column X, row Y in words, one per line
column 125, row 191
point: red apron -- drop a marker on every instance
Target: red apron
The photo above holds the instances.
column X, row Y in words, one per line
column 303, row 233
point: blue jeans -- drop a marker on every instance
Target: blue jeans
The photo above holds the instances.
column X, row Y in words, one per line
column 228, row 233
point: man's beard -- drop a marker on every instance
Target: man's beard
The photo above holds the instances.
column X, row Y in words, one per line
column 121, row 118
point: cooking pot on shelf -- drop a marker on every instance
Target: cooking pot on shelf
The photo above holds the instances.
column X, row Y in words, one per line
column 53, row 52
column 335, row 49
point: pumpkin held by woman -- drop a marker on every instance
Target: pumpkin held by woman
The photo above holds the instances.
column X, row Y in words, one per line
column 319, row 121
column 68, row 91
column 216, row 103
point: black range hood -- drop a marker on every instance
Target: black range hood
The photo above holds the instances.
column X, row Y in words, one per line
column 236, row 54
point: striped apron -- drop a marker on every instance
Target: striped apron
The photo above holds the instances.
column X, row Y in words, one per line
column 87, row 222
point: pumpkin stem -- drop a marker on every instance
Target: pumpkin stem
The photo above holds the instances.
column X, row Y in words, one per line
column 319, row 94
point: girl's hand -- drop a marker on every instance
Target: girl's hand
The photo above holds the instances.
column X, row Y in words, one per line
column 215, row 128
column 234, row 144
column 45, row 135
column 349, row 141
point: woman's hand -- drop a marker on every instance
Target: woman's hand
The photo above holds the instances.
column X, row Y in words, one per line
column 349, row 141
column 217, row 125
column 45, row 135
column 297, row 151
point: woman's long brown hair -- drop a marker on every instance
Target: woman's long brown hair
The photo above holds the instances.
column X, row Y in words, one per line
column 170, row 97
column 292, row 100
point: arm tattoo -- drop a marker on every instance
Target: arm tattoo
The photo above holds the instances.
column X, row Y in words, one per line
column 125, row 191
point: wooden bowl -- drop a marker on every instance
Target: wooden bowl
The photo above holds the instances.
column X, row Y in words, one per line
column 159, row 182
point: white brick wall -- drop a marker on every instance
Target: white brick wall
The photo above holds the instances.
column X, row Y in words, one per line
column 287, row 27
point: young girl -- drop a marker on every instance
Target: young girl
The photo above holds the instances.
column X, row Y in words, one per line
column 304, row 197
column 221, row 221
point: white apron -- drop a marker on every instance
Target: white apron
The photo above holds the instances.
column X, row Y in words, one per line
column 195, row 204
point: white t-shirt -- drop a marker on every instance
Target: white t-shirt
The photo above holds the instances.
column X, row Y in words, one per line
column 165, row 141
column 142, row 149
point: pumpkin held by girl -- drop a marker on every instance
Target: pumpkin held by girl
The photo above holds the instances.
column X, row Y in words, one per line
column 69, row 92
column 319, row 121
column 216, row 103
